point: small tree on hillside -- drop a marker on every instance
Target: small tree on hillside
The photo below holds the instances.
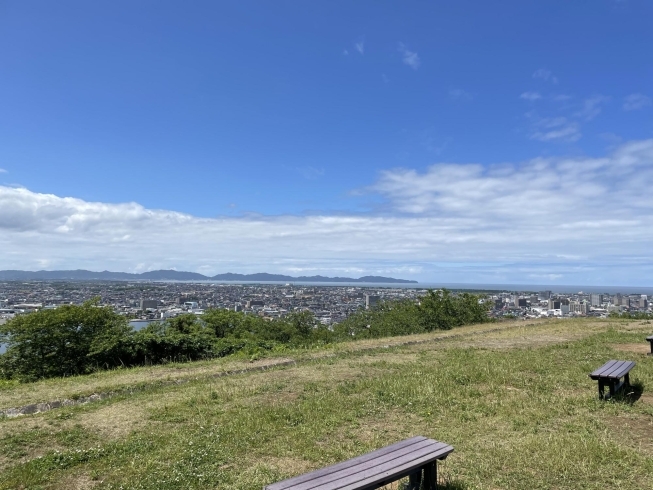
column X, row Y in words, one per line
column 65, row 341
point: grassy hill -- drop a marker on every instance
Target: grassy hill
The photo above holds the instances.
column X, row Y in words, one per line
column 513, row 399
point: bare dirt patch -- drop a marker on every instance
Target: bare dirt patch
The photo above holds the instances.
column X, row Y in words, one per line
column 635, row 348
column 79, row 482
column 113, row 421
column 634, row 431
column 646, row 399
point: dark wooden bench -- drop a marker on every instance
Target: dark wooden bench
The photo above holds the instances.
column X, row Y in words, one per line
column 650, row 340
column 415, row 457
column 609, row 375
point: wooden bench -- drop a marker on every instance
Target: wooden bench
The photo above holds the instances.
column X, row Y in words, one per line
column 609, row 375
column 415, row 457
column 650, row 340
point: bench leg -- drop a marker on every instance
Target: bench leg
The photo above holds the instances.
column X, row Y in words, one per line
column 651, row 353
column 611, row 385
column 415, row 480
column 601, row 386
column 431, row 476
column 627, row 380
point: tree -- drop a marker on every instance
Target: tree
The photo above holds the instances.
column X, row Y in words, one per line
column 65, row 341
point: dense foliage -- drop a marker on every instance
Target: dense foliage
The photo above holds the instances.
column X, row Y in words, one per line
column 437, row 310
column 632, row 315
column 73, row 340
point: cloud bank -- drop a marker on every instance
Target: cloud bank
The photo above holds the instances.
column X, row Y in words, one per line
column 566, row 220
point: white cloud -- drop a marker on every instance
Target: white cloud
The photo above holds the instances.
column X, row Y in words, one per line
column 345, row 52
column 530, row 96
column 635, row 102
column 3, row 171
column 546, row 75
column 410, row 58
column 360, row 47
column 460, row 95
column 588, row 219
column 555, row 129
column 592, row 107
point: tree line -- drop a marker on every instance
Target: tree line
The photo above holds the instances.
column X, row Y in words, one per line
column 80, row 339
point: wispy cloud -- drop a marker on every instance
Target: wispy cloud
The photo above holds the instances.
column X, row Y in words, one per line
column 546, row 75
column 592, row 107
column 561, row 97
column 634, row 102
column 530, row 96
column 409, row 58
column 360, row 46
column 345, row 52
column 460, row 95
column 3, row 171
column 554, row 129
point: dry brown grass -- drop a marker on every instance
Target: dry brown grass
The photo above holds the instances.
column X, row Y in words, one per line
column 633, row 430
column 634, row 348
column 79, row 482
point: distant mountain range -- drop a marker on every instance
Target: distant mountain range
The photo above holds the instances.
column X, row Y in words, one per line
column 170, row 275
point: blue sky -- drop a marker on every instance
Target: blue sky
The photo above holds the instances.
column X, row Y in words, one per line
column 394, row 138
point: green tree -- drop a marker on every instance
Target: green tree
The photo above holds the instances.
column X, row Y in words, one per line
column 65, row 341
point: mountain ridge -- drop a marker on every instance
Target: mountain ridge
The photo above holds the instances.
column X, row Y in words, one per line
column 173, row 275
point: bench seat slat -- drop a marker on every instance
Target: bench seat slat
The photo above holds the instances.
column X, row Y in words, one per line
column 619, row 369
column 394, row 473
column 377, row 469
column 282, row 485
column 623, row 369
column 597, row 373
column 375, row 466
column 613, row 369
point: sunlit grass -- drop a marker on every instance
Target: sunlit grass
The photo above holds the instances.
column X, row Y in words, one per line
column 517, row 416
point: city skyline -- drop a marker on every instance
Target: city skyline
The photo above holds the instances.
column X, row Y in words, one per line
column 464, row 143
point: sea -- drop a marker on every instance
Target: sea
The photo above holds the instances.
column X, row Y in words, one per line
column 458, row 286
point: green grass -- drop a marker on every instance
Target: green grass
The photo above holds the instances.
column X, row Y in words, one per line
column 518, row 417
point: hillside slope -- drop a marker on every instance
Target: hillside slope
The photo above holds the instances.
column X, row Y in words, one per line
column 514, row 400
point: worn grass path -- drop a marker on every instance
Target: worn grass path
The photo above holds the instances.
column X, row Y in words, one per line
column 516, row 404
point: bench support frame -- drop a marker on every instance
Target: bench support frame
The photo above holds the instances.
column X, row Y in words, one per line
column 425, row 478
column 613, row 386
column 650, row 353
column 428, row 474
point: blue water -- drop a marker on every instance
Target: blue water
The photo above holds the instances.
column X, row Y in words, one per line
column 139, row 324
column 556, row 288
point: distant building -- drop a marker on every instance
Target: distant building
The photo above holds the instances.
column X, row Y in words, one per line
column 255, row 302
column 617, row 299
column 151, row 304
column 554, row 304
column 522, row 302
column 498, row 304
column 371, row 300
column 596, row 299
column 544, row 295
column 238, row 307
column 580, row 307
column 642, row 301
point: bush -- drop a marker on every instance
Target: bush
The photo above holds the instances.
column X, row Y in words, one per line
column 66, row 341
column 73, row 340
